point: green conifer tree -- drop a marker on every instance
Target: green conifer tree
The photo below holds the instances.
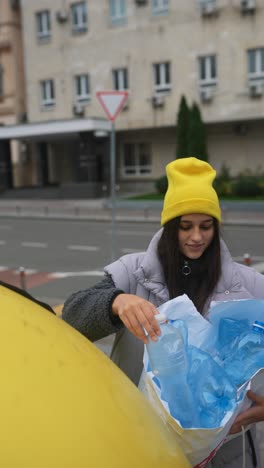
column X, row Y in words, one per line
column 197, row 145
column 183, row 118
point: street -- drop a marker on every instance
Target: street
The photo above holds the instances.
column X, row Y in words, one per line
column 63, row 256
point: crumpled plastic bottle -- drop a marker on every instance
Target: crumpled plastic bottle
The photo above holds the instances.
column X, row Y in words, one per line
column 244, row 354
column 213, row 393
column 169, row 362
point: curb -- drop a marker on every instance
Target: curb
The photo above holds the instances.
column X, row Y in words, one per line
column 120, row 218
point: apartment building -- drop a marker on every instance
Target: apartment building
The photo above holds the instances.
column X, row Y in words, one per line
column 212, row 51
column 12, row 89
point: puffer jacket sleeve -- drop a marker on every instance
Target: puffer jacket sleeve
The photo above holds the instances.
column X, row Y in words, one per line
column 90, row 310
column 253, row 281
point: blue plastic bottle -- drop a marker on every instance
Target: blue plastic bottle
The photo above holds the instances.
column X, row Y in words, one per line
column 245, row 354
column 169, row 362
column 214, row 395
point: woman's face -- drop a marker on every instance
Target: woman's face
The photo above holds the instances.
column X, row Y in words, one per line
column 196, row 232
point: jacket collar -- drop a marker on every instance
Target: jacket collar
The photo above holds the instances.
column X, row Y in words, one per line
column 150, row 273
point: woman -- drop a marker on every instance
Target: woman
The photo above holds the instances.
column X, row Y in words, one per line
column 186, row 256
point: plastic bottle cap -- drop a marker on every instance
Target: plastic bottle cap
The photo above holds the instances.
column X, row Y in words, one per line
column 160, row 318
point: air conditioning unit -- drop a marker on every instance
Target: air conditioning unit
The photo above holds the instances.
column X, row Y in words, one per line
column 206, row 94
column 78, row 109
column 248, row 6
column 141, row 2
column 158, row 100
column 62, row 16
column 208, row 8
column 256, row 88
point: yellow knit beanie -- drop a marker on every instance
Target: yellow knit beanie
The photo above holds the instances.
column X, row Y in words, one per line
column 190, row 190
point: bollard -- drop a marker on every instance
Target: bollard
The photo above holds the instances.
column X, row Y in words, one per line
column 22, row 276
column 247, row 259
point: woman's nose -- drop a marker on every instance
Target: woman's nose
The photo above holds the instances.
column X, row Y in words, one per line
column 196, row 234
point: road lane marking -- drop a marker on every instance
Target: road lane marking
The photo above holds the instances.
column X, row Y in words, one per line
column 27, row 271
column 132, row 233
column 41, row 245
column 88, row 248
column 127, row 250
column 69, row 274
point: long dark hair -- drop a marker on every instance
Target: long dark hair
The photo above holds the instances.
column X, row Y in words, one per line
column 170, row 258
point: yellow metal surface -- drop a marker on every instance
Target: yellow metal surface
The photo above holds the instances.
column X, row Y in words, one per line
column 64, row 404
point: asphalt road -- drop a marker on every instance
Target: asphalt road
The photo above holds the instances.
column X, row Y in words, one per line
column 63, row 256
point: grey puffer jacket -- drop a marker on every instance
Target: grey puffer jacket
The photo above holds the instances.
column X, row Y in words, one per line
column 90, row 312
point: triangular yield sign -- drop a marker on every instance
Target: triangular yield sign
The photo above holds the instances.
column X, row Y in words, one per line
column 112, row 102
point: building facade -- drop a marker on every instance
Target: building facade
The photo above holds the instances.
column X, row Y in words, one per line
column 12, row 89
column 211, row 51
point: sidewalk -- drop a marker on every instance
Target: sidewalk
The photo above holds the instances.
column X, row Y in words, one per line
column 101, row 210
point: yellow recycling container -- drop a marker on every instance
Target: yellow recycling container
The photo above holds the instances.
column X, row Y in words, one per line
column 64, row 404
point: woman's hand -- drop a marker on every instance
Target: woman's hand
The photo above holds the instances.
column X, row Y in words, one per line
column 251, row 415
column 135, row 314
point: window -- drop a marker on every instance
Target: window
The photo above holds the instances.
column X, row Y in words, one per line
column 118, row 11
column 43, row 24
column 120, row 79
column 160, row 7
column 79, row 17
column 47, row 93
column 162, row 79
column 82, row 88
column 207, row 70
column 136, row 159
column 1, row 81
column 256, row 63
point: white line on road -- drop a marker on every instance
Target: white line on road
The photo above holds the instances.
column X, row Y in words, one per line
column 259, row 267
column 41, row 245
column 27, row 271
column 69, row 274
column 88, row 248
column 133, row 233
column 127, row 250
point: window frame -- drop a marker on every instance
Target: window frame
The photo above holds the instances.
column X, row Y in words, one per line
column 210, row 64
column 81, row 10
column 137, row 167
column 259, row 73
column 160, row 7
column 119, row 17
column 43, row 33
column 159, row 74
column 47, row 87
column 82, row 80
column 120, row 79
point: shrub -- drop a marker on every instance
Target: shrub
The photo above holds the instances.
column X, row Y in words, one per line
column 223, row 182
column 246, row 185
column 161, row 184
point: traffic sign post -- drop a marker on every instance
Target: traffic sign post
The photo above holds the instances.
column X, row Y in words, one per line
column 112, row 103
